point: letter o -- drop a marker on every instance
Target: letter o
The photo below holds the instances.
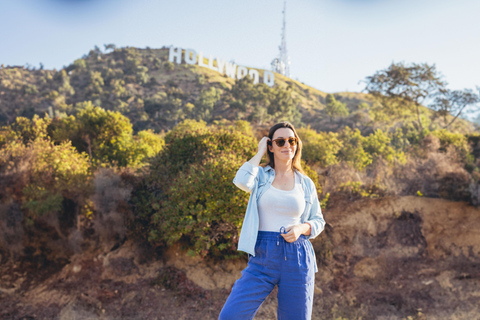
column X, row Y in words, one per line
column 188, row 59
column 241, row 72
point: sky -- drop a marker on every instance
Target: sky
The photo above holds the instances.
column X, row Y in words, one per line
column 333, row 45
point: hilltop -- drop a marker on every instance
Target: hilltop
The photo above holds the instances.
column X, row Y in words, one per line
column 155, row 93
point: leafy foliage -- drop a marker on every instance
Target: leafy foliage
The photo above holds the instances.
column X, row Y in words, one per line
column 198, row 202
column 413, row 82
column 106, row 136
column 48, row 182
column 326, row 149
column 335, row 108
column 264, row 104
column 321, row 148
column 205, row 103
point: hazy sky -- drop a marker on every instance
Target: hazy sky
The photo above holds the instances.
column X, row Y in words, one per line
column 332, row 44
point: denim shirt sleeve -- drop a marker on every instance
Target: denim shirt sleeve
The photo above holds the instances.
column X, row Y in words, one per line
column 315, row 216
column 245, row 177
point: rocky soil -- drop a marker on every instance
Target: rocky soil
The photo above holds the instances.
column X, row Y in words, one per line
column 391, row 258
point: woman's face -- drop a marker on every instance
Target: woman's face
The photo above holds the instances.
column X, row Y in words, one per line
column 287, row 152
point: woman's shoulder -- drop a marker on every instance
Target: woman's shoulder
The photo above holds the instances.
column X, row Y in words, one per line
column 308, row 181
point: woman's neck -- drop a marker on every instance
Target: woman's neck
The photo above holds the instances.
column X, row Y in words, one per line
column 283, row 168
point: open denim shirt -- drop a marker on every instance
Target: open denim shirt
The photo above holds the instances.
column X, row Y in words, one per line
column 256, row 180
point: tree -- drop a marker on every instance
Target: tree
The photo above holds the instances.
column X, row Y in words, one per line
column 205, row 103
column 110, row 46
column 410, row 84
column 282, row 106
column 335, row 108
column 106, row 136
column 454, row 102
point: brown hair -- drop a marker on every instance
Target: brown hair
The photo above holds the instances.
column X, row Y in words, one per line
column 296, row 163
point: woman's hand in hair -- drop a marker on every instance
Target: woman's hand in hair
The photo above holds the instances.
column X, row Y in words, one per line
column 262, row 149
column 262, row 146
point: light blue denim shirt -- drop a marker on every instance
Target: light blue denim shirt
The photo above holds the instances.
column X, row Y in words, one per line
column 256, row 180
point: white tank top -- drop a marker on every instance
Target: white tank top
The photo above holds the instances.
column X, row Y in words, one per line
column 279, row 208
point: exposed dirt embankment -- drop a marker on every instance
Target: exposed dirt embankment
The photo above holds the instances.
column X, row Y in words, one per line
column 379, row 259
column 397, row 256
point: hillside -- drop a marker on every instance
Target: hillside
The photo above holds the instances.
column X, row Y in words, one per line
column 156, row 94
column 117, row 201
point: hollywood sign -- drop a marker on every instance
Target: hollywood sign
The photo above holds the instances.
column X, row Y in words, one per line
column 222, row 66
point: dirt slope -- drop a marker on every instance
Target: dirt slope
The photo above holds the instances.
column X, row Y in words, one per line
column 379, row 259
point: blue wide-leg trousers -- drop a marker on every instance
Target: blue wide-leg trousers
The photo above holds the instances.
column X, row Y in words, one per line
column 290, row 266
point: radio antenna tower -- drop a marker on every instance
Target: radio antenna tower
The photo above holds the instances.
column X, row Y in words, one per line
column 282, row 63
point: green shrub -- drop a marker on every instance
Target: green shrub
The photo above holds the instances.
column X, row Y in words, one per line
column 79, row 64
column 356, row 189
column 335, row 108
column 352, row 151
column 48, row 184
column 106, row 136
column 168, row 66
column 197, row 201
column 457, row 140
column 57, row 171
column 204, row 208
column 378, row 145
column 205, row 103
column 321, row 148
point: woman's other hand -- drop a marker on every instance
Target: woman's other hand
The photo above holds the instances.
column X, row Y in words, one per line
column 294, row 232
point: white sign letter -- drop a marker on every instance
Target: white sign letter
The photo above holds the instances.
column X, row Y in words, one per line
column 241, row 72
column 188, row 59
column 210, row 64
column 200, row 60
column 230, row 70
column 268, row 78
column 175, row 55
column 221, row 65
column 254, row 75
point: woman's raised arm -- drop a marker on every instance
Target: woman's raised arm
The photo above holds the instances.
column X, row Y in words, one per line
column 245, row 177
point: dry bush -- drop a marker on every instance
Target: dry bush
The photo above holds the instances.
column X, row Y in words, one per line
column 110, row 198
column 379, row 174
column 429, row 171
column 436, row 174
column 339, row 174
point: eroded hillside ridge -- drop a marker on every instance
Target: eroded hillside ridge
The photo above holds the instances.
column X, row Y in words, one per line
column 388, row 258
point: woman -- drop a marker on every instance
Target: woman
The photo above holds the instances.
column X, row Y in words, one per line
column 283, row 212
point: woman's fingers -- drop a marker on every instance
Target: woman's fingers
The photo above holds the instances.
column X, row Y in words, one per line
column 289, row 237
column 262, row 145
column 286, row 237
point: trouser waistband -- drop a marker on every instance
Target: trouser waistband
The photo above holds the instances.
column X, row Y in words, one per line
column 277, row 236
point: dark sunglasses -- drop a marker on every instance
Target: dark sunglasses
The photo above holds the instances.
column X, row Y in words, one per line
column 281, row 141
